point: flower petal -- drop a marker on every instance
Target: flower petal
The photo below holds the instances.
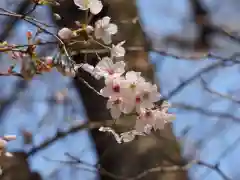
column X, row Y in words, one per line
column 112, row 28
column 105, row 64
column 105, row 21
column 119, row 67
column 82, row 4
column 132, row 75
column 99, row 32
column 107, row 39
column 65, row 33
column 106, row 91
column 95, row 6
column 115, row 112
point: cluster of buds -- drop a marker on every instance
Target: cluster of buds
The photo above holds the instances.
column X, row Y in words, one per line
column 31, row 64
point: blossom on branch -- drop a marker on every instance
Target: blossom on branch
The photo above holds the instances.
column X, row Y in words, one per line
column 127, row 93
column 147, row 96
column 106, row 68
column 118, row 50
column 65, row 33
column 113, row 88
column 104, row 29
column 95, row 6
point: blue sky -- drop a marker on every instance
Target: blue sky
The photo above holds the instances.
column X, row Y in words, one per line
column 162, row 18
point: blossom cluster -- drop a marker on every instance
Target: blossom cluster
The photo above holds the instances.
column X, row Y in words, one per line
column 128, row 92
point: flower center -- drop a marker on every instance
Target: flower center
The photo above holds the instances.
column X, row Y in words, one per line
column 117, row 102
column 116, row 88
column 148, row 114
column 133, row 86
column 138, row 99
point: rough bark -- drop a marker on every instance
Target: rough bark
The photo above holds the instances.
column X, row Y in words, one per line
column 16, row 167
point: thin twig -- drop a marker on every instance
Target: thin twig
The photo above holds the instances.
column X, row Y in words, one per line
column 61, row 134
column 212, row 91
column 206, row 111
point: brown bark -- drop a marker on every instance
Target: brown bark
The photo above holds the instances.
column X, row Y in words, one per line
column 16, row 167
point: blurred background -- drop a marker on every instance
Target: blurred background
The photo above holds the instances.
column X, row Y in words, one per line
column 171, row 43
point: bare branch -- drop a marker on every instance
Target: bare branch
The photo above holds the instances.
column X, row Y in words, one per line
column 212, row 91
column 61, row 134
column 206, row 111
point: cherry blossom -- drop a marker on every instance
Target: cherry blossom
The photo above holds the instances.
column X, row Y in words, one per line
column 104, row 29
column 113, row 88
column 107, row 68
column 89, row 29
column 95, row 6
column 133, row 83
column 152, row 119
column 118, row 50
column 126, row 92
column 161, row 118
column 147, row 97
column 145, row 121
column 115, row 106
column 65, row 33
column 119, row 105
column 90, row 69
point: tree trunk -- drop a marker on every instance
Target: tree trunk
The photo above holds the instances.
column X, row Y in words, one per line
column 132, row 158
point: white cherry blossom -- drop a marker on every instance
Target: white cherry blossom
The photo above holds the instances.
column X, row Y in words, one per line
column 148, row 95
column 90, row 69
column 107, row 68
column 145, row 121
column 95, row 6
column 113, row 88
column 131, row 86
column 133, row 83
column 65, row 33
column 104, row 29
column 115, row 106
column 118, row 50
column 89, row 29
column 161, row 118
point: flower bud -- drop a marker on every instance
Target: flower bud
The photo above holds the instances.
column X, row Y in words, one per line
column 65, row 33
column 9, row 137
